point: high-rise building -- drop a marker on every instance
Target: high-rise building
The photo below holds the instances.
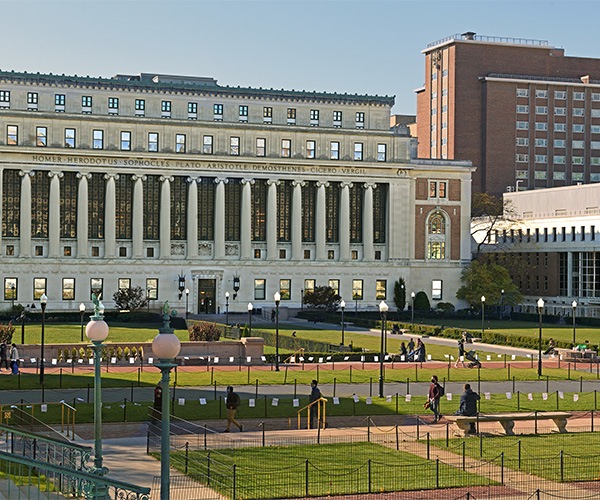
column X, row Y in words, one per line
column 526, row 115
column 169, row 183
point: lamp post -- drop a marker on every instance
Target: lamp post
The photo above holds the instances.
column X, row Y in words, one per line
column 227, row 308
column 342, row 307
column 540, row 306
column 250, row 308
column 574, row 304
column 81, row 311
column 502, row 303
column 383, row 309
column 355, row 297
column 482, row 313
column 277, row 298
column 412, row 308
column 165, row 347
column 148, row 298
column 12, row 296
column 23, row 317
column 97, row 331
column 187, row 302
column 43, row 303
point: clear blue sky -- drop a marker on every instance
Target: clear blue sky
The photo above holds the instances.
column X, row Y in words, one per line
column 366, row 46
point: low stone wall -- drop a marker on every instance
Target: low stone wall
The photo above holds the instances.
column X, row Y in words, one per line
column 248, row 350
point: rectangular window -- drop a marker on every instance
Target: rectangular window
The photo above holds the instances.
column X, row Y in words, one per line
column 560, row 94
column 41, row 137
column 577, row 144
column 381, row 290
column 32, row 99
column 541, row 126
column 436, row 289
column 358, row 151
column 577, row 160
column 541, row 110
column 560, row 111
column 311, row 149
column 260, row 286
column 522, row 125
column 560, row 143
column 357, row 289
column 541, row 159
column 69, row 138
column 522, row 92
column 59, row 99
column 335, row 285
column 437, row 189
column 152, row 141
column 286, row 148
column 124, row 283
column 207, row 145
column 113, row 104
column 125, row 141
column 285, row 289
column 98, row 139
column 337, row 119
column 218, row 112
column 560, row 127
column 579, row 96
column 12, row 135
column 180, row 143
column 314, row 117
column 578, row 112
column 243, row 113
column 577, row 128
column 267, row 114
column 522, row 108
column 10, row 289
column 594, row 160
column 381, row 152
column 309, row 286
column 541, row 143
column 291, row 116
column 234, row 146
column 522, row 141
column 192, row 109
column 5, row 96
column 595, row 129
column 541, row 94
column 436, row 250
column 140, row 105
column 595, row 113
column 594, row 144
column 68, row 288
column 152, row 288
column 560, row 160
column 360, row 120
column 39, row 288
column 261, row 146
column 165, row 106
column 334, row 151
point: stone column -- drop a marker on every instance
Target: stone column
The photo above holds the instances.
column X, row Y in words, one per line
column 165, row 216
column 82, row 214
column 570, row 291
column 137, row 216
column 368, row 251
column 272, row 219
column 25, row 223
column 246, row 229
column 54, row 214
column 297, row 220
column 110, row 212
column 344, row 221
column 192, row 218
column 321, row 229
column 219, row 230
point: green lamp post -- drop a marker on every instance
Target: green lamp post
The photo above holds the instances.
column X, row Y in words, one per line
column 165, row 347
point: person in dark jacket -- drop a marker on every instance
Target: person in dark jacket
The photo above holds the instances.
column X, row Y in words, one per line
column 403, row 352
column 461, row 353
column 232, row 403
column 435, row 393
column 3, row 356
column 315, row 395
column 468, row 405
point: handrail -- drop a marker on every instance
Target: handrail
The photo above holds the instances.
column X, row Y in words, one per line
column 293, row 355
column 68, row 414
column 71, row 410
column 6, row 429
column 321, row 402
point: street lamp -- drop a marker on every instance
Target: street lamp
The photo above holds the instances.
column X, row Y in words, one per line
column 574, row 304
column 81, row 311
column 482, row 312
column 12, row 296
column 277, row 298
column 187, row 302
column 342, row 307
column 227, row 308
column 250, row 308
column 43, row 303
column 540, row 306
column 97, row 331
column 165, row 347
column 502, row 303
column 23, row 317
column 412, row 308
column 383, row 309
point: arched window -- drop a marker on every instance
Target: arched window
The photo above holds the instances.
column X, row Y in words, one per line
column 437, row 224
column 436, row 236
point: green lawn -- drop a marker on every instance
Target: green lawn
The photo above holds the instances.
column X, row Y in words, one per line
column 558, row 457
column 315, row 470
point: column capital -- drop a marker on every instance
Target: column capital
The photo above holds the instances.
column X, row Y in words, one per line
column 370, row 185
column 219, row 180
column 23, row 173
column 275, row 182
column 137, row 177
column 193, row 178
column 299, row 183
column 248, row 181
column 164, row 178
column 323, row 184
column 82, row 175
column 346, row 184
column 60, row 175
column 111, row 176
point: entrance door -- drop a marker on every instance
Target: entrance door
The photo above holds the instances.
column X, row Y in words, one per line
column 206, row 296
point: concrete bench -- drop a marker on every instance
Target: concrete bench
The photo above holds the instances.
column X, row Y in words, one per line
column 507, row 420
column 570, row 355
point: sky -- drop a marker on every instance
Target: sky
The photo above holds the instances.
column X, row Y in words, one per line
column 364, row 46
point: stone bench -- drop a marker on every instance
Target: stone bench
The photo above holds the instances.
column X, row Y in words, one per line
column 507, row 420
column 569, row 355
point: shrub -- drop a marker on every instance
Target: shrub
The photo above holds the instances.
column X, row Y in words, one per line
column 6, row 333
column 204, row 331
column 445, row 307
column 422, row 302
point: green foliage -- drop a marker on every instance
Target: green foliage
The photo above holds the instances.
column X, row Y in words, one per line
column 488, row 279
column 445, row 307
column 400, row 294
column 6, row 333
column 422, row 302
column 323, row 297
column 130, row 299
column 204, row 331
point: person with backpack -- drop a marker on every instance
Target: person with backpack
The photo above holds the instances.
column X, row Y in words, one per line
column 232, row 403
column 436, row 391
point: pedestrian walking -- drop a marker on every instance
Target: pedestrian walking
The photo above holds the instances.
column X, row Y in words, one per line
column 157, row 410
column 315, row 395
column 461, row 353
column 436, row 391
column 14, row 360
column 3, row 356
column 232, row 403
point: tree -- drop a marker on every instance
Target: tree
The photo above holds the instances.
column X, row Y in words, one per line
column 488, row 279
column 422, row 302
column 400, row 294
column 490, row 214
column 322, row 297
column 130, row 299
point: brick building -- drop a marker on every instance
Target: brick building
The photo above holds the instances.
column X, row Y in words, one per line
column 527, row 116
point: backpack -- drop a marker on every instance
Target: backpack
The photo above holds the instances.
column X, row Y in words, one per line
column 441, row 389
